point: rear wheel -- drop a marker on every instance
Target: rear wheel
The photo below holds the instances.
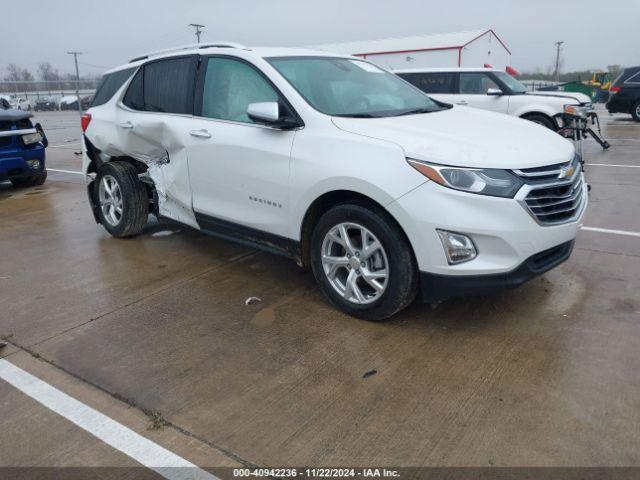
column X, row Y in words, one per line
column 33, row 181
column 635, row 111
column 123, row 204
column 362, row 262
column 541, row 120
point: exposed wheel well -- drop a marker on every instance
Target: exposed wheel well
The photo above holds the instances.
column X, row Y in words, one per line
column 527, row 116
column 324, row 203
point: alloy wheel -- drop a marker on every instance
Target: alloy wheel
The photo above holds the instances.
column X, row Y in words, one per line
column 355, row 263
column 110, row 197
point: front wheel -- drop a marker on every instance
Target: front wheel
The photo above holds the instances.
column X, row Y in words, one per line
column 363, row 262
column 541, row 120
column 122, row 200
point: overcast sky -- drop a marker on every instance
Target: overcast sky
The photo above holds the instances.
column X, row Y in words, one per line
column 110, row 32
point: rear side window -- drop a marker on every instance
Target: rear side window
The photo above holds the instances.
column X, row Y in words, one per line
column 440, row 82
column 165, row 86
column 109, row 85
column 634, row 79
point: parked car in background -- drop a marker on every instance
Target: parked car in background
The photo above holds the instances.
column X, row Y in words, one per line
column 22, row 148
column 22, row 104
column 70, row 102
column 497, row 91
column 45, row 104
column 330, row 160
column 624, row 95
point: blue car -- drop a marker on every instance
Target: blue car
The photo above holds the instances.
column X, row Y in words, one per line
column 22, row 148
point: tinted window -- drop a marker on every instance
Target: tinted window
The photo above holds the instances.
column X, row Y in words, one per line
column 230, row 86
column 134, row 97
column 165, row 86
column 109, row 85
column 634, row 79
column 169, row 85
column 476, row 83
column 440, row 82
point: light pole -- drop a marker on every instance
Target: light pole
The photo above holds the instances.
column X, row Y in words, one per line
column 557, row 72
column 197, row 27
column 75, row 57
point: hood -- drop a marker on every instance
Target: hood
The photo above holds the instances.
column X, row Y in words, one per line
column 576, row 96
column 467, row 137
column 14, row 115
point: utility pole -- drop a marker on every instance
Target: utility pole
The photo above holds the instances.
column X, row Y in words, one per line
column 197, row 29
column 75, row 57
column 557, row 71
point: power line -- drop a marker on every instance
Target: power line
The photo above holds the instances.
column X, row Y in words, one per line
column 197, row 28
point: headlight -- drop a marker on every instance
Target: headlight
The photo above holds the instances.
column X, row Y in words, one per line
column 576, row 110
column 484, row 181
column 31, row 138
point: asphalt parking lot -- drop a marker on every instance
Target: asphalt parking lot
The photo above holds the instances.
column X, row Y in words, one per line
column 154, row 333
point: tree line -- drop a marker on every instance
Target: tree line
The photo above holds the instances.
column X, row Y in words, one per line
column 18, row 79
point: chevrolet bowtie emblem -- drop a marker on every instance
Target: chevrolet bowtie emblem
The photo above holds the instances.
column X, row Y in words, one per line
column 566, row 172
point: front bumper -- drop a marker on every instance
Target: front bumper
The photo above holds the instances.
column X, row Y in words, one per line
column 13, row 162
column 506, row 235
column 437, row 288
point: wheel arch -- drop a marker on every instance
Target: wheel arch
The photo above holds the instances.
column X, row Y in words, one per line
column 550, row 117
column 324, row 203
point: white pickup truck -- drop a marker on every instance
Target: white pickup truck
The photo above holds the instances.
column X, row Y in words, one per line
column 495, row 90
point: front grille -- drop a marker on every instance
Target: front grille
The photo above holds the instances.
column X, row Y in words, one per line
column 552, row 200
column 5, row 142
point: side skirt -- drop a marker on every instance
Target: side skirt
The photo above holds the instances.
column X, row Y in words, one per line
column 250, row 237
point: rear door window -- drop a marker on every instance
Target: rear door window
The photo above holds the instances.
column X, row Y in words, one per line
column 476, row 83
column 165, row 86
column 436, row 82
column 109, row 85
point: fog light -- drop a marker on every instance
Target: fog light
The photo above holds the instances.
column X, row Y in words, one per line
column 457, row 247
column 33, row 164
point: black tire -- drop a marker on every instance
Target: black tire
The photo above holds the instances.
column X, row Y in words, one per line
column 541, row 120
column 33, row 181
column 135, row 201
column 635, row 111
column 402, row 281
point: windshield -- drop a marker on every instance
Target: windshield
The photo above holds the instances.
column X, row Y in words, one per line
column 352, row 88
column 514, row 85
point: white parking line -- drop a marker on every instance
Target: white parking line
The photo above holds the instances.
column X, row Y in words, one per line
column 610, row 165
column 614, row 232
column 63, row 171
column 139, row 448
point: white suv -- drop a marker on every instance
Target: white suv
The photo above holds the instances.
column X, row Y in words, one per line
column 336, row 163
column 495, row 90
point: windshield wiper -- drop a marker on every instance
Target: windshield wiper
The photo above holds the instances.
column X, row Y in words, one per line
column 416, row 111
column 357, row 115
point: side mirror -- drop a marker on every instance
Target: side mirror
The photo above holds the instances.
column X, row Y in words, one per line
column 264, row 112
column 494, row 92
column 268, row 113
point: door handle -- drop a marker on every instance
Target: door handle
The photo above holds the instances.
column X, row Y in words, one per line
column 462, row 102
column 200, row 133
column 127, row 125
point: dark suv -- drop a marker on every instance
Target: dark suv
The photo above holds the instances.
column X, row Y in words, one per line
column 624, row 95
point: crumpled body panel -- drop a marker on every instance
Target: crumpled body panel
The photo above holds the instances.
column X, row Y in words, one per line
column 159, row 141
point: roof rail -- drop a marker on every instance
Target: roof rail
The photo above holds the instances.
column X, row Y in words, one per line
column 192, row 46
